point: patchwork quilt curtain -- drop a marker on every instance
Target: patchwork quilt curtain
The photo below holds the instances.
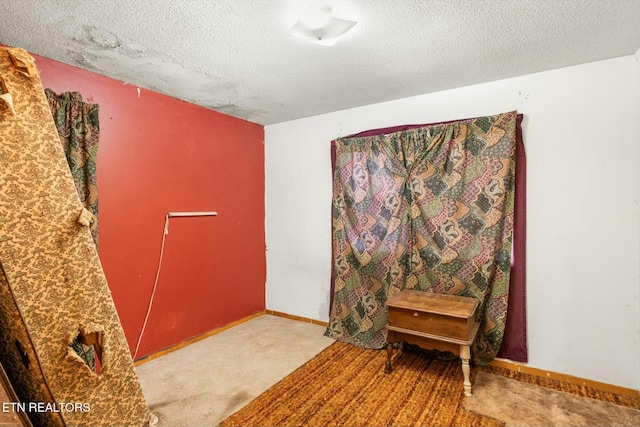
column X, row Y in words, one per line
column 79, row 130
column 428, row 209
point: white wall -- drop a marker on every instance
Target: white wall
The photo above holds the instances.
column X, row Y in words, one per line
column 582, row 140
column 637, row 64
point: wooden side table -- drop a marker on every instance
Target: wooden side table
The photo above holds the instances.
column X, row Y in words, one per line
column 433, row 321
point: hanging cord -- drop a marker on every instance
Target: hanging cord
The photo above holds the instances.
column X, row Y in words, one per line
column 155, row 284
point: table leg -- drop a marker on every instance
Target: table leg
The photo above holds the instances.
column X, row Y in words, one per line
column 387, row 365
column 465, row 355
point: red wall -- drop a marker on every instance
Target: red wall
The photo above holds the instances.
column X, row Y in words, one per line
column 157, row 155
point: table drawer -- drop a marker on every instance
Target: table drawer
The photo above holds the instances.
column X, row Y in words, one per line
column 430, row 323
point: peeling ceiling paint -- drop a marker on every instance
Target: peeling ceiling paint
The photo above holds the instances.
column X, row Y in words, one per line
column 235, row 56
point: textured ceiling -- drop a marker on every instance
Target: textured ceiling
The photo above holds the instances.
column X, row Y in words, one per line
column 235, row 56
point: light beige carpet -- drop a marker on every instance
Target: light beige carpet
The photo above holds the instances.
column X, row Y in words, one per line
column 205, row 382
column 520, row 404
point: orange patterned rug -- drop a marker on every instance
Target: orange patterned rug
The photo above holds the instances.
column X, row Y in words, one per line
column 346, row 386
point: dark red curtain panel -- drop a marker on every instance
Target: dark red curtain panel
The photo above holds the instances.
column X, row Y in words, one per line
column 514, row 343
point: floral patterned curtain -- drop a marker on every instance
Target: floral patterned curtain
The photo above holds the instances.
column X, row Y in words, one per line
column 79, row 130
column 429, row 209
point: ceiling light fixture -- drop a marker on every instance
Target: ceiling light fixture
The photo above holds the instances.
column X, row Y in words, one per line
column 317, row 25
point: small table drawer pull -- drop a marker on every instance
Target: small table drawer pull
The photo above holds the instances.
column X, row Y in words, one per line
column 415, row 314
